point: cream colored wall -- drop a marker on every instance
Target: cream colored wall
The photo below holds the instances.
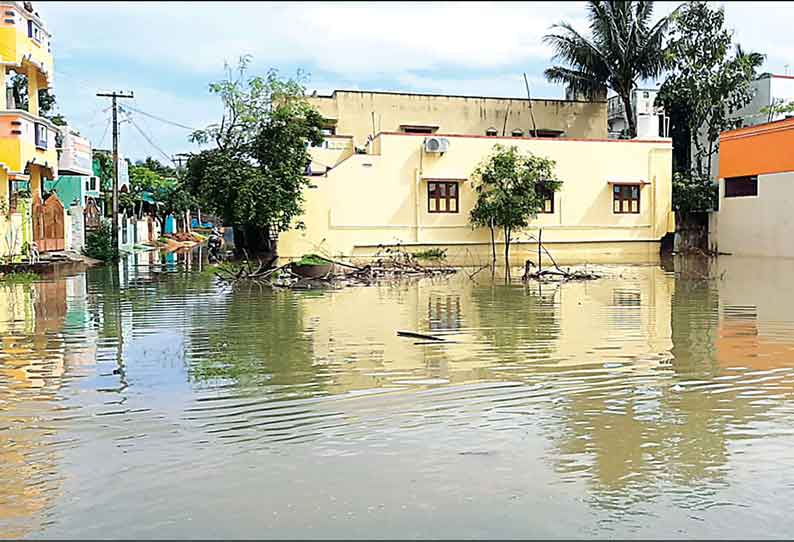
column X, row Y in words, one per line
column 334, row 150
column 461, row 115
column 369, row 200
column 760, row 225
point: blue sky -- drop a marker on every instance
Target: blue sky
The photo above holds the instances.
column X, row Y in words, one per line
column 168, row 52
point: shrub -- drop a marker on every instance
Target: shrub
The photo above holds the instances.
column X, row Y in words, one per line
column 692, row 193
column 19, row 278
column 431, row 254
column 312, row 259
column 99, row 244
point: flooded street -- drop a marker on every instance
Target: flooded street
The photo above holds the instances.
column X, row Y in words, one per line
column 148, row 401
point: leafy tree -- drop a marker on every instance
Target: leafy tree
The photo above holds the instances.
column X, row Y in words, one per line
column 508, row 188
column 707, row 84
column 177, row 200
column 156, row 166
column 255, row 176
column 692, row 194
column 623, row 48
column 778, row 107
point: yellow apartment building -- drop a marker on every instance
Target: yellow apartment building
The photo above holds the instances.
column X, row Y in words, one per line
column 27, row 140
column 410, row 184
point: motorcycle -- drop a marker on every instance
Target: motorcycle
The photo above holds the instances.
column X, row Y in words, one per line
column 215, row 244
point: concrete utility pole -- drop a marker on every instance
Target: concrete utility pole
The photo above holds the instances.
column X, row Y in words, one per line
column 180, row 159
column 115, row 223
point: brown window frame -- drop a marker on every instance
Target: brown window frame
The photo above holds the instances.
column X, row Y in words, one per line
column 741, row 187
column 619, row 196
column 434, row 194
column 541, row 187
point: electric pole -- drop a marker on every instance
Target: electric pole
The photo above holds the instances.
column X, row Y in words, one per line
column 181, row 158
column 115, row 223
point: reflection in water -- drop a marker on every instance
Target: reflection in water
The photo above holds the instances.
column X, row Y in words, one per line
column 648, row 402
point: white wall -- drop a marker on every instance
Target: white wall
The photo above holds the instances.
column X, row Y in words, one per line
column 76, row 234
column 761, row 225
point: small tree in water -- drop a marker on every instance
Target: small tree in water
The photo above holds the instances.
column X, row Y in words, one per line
column 255, row 176
column 511, row 190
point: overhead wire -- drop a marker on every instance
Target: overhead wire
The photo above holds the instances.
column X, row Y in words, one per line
column 161, row 119
column 149, row 140
column 105, row 133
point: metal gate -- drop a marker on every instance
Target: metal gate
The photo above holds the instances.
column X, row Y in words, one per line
column 48, row 224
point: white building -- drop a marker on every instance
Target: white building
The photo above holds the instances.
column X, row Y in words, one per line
column 651, row 120
column 769, row 89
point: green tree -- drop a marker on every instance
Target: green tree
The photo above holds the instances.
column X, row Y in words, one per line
column 623, row 48
column 693, row 194
column 158, row 167
column 511, row 189
column 706, row 86
column 143, row 179
column 778, row 107
column 255, row 176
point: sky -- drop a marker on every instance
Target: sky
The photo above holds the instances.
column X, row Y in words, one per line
column 168, row 52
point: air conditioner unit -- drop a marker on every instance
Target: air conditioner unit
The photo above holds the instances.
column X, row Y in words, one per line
column 436, row 144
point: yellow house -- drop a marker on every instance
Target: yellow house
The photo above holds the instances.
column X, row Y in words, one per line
column 27, row 141
column 362, row 114
column 615, row 201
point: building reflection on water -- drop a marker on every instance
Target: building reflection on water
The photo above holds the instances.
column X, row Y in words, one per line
column 638, row 381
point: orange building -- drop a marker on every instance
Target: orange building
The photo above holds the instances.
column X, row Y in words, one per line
column 756, row 177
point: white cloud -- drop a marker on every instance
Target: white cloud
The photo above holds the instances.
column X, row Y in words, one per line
column 167, row 51
column 355, row 38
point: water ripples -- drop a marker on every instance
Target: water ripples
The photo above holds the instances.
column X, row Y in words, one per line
column 639, row 388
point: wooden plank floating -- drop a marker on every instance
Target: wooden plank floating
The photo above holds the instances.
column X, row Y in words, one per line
column 418, row 336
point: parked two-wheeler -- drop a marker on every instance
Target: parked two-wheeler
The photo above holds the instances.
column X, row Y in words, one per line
column 215, row 244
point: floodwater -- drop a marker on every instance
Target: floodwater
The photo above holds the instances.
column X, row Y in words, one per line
column 147, row 401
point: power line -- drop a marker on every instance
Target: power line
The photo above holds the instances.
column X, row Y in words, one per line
column 102, row 141
column 152, row 143
column 155, row 117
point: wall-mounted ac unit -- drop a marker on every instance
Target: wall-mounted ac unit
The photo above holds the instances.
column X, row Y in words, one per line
column 436, row 144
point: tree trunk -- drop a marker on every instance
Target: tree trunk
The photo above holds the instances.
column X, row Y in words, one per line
column 253, row 240
column 507, row 251
column 493, row 244
column 629, row 111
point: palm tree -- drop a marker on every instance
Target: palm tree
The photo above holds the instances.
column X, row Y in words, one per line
column 623, row 49
column 751, row 60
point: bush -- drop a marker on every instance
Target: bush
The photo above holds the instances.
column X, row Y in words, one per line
column 99, row 244
column 312, row 259
column 18, row 277
column 431, row 254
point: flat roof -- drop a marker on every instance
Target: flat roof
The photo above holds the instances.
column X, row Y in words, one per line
column 758, row 129
column 477, row 136
column 476, row 97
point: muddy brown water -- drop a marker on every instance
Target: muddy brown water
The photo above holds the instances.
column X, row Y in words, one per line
column 148, row 401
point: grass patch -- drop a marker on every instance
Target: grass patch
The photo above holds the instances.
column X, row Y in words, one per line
column 431, row 254
column 312, row 259
column 19, row 278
